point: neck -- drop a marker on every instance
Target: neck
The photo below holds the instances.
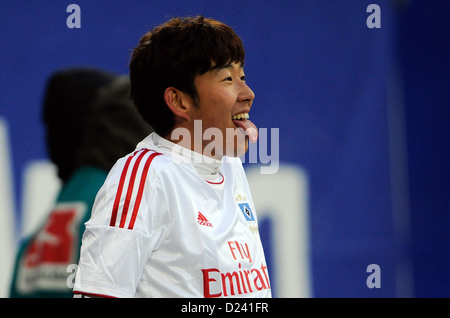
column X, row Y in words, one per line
column 206, row 166
column 193, row 140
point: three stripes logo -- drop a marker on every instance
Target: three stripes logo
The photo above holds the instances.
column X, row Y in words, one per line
column 202, row 220
column 130, row 189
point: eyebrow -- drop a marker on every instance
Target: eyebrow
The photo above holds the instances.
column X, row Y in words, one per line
column 228, row 65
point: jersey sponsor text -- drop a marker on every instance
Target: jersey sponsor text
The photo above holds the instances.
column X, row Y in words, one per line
column 239, row 282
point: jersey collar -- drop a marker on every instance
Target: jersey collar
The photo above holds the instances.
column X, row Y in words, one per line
column 206, row 167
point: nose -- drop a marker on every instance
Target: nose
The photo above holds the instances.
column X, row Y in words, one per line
column 246, row 94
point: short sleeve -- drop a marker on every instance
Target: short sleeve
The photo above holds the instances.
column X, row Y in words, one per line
column 111, row 261
column 126, row 224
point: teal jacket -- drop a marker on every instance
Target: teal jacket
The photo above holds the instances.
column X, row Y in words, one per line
column 47, row 260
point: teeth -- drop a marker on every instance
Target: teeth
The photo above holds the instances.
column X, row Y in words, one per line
column 241, row 116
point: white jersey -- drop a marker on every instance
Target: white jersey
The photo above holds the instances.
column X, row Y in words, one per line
column 165, row 228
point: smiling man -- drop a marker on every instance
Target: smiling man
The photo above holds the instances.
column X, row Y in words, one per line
column 224, row 107
column 176, row 218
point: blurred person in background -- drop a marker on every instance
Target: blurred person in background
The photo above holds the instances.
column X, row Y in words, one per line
column 90, row 123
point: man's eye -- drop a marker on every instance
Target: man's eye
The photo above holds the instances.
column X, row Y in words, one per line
column 229, row 78
column 243, row 78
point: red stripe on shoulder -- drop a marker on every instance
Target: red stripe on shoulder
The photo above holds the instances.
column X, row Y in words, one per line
column 141, row 189
column 119, row 191
column 130, row 187
column 126, row 187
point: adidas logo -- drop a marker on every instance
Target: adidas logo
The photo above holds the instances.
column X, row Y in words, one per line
column 202, row 220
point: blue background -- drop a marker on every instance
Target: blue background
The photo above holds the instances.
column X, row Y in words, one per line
column 356, row 107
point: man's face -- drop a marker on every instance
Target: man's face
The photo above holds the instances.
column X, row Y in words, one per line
column 223, row 97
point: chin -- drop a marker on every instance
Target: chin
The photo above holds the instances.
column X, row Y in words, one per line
column 237, row 150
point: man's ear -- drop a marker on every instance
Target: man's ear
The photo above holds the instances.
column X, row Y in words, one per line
column 179, row 102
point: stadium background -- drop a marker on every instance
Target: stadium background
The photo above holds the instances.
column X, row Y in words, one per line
column 363, row 129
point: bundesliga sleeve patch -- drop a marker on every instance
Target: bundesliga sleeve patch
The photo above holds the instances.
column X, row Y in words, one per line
column 43, row 266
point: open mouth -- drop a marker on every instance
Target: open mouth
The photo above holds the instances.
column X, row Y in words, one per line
column 241, row 116
column 241, row 121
